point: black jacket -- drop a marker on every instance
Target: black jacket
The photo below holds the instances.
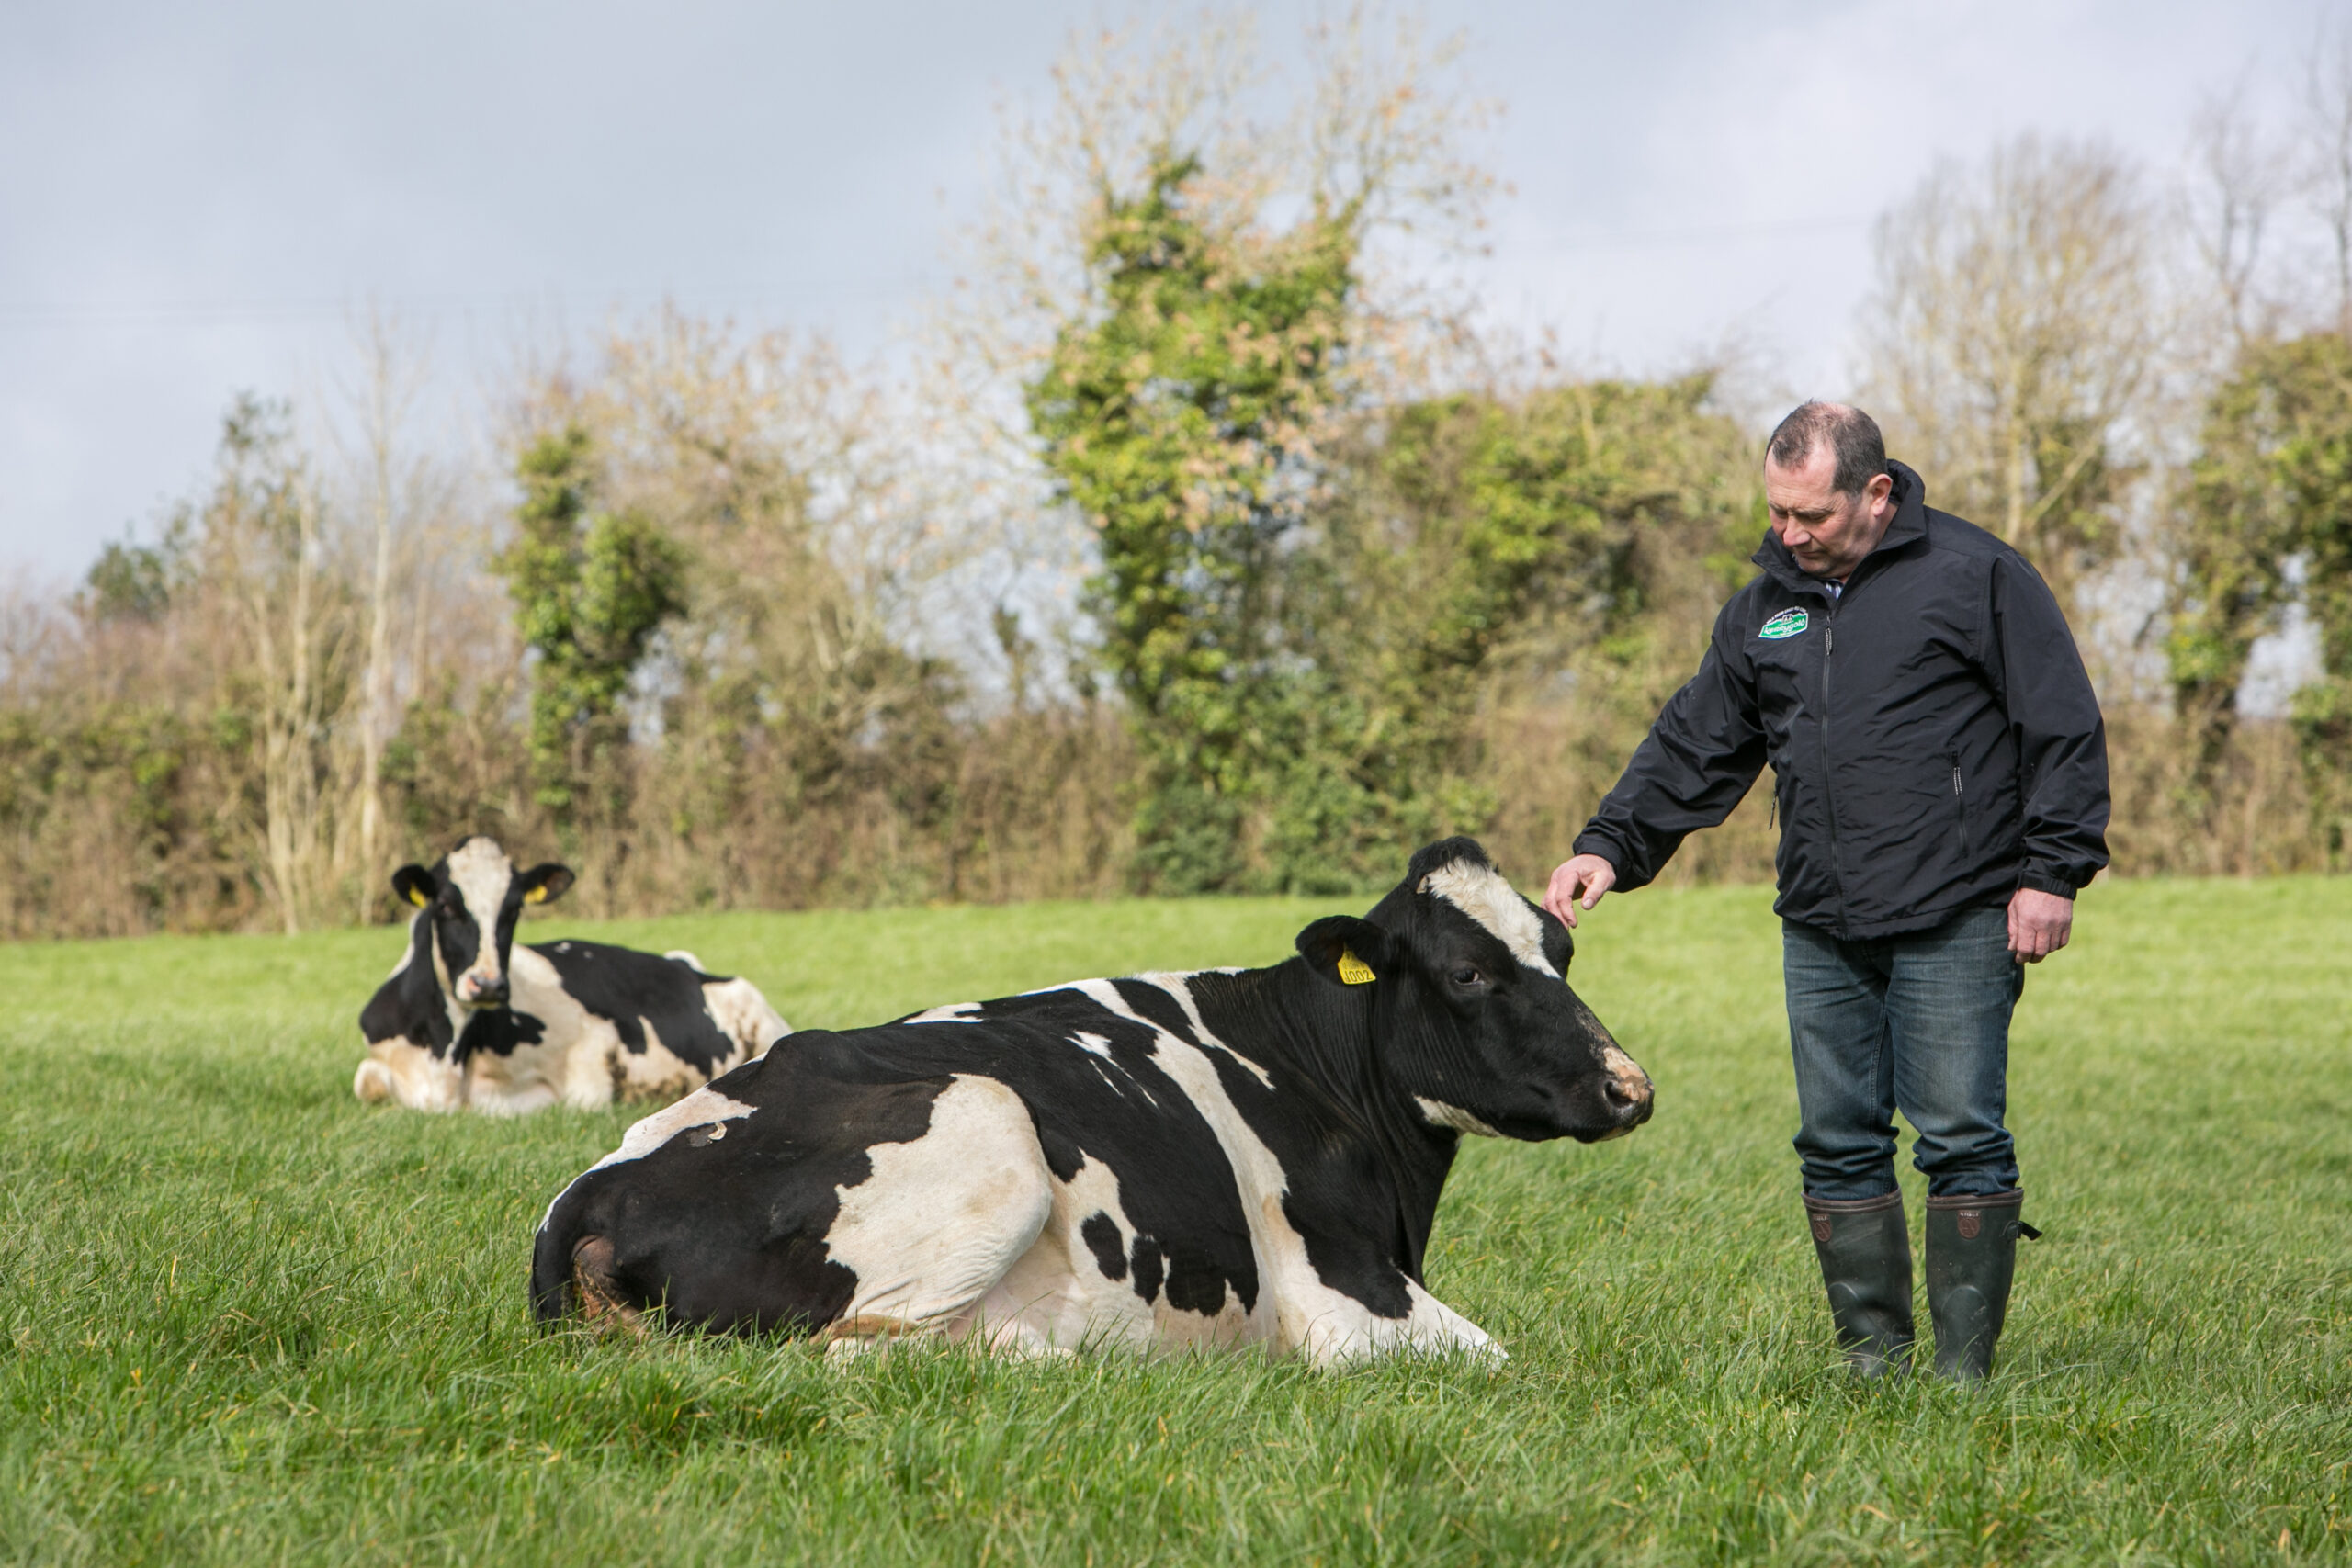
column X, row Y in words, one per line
column 1934, row 741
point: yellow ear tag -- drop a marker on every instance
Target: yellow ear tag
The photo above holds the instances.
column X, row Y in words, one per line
column 416, row 898
column 537, row 895
column 1354, row 970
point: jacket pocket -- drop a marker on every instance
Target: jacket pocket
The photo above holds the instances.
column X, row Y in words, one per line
column 1959, row 807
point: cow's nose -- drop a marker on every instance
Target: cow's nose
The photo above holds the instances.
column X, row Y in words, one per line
column 1627, row 1089
column 1623, row 1096
column 491, row 991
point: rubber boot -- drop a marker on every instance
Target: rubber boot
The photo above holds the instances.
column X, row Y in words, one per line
column 1865, row 1251
column 1972, row 1256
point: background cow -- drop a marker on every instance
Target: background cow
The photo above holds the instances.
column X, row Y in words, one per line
column 1213, row 1158
column 469, row 1018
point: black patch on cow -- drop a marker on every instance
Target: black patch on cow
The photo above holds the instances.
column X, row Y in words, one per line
column 498, row 1031
column 634, row 989
column 729, row 1233
column 409, row 1005
column 1344, row 1194
column 1147, row 1267
column 1100, row 1234
column 1155, row 1003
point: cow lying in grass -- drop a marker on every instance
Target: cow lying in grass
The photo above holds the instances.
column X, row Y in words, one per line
column 1219, row 1159
column 469, row 1018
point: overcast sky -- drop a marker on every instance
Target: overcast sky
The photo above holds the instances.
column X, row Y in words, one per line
column 193, row 198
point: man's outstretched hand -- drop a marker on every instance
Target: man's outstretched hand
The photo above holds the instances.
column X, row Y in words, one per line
column 1580, row 882
column 2040, row 923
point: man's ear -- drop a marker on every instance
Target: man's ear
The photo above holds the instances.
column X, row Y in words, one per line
column 416, row 883
column 1345, row 950
column 544, row 883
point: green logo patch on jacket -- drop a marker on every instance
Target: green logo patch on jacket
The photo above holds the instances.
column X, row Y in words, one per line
column 1788, row 623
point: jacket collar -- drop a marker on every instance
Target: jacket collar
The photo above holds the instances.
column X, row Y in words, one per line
column 1909, row 526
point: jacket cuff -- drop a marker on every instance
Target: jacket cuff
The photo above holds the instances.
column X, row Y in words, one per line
column 2043, row 882
column 1594, row 841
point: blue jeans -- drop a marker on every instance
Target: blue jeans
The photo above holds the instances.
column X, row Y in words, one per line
column 1920, row 1022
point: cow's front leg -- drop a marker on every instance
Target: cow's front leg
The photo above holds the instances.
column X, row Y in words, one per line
column 1337, row 1337
column 1432, row 1326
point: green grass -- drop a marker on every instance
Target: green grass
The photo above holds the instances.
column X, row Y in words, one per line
column 246, row 1319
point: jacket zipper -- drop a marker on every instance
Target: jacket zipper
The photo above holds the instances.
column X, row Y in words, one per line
column 1830, row 758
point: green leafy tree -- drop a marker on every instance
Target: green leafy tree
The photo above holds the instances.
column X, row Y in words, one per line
column 591, row 589
column 1178, row 419
column 131, row 581
column 1469, row 540
column 2271, row 487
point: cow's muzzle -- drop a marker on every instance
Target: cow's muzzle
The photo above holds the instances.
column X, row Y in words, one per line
column 481, row 990
column 1626, row 1090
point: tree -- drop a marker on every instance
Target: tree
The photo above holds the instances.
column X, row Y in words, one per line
column 392, row 378
column 1203, row 290
column 284, row 671
column 590, row 588
column 1473, row 544
column 2012, row 339
column 2270, row 523
column 131, row 581
column 1179, row 424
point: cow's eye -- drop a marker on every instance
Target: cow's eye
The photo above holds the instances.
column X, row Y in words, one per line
column 1465, row 975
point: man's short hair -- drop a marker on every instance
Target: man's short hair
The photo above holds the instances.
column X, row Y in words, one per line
column 1851, row 434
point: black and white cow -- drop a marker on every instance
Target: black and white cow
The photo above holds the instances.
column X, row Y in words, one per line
column 1216, row 1158
column 470, row 1018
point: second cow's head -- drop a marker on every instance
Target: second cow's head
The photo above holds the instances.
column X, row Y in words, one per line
column 1470, row 1013
column 471, row 899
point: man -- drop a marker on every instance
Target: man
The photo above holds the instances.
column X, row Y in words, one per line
column 1940, row 781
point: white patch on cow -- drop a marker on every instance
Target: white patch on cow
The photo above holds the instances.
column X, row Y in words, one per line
column 1487, row 896
column 744, row 1016
column 648, row 1134
column 1437, row 1113
column 482, row 874
column 942, row 1217
column 952, row 1013
column 1094, row 1043
column 680, row 955
column 1056, row 1299
column 1178, row 983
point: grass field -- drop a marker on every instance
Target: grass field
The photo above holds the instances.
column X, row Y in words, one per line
column 247, row 1319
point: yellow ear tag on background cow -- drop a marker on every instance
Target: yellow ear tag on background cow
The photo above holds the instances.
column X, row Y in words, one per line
column 537, row 895
column 416, row 898
column 1353, row 970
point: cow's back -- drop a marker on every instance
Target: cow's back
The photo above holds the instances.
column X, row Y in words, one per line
column 1145, row 1226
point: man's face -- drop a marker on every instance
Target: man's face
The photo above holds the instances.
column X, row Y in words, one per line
column 1828, row 532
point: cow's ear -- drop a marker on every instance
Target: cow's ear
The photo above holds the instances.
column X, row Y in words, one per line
column 416, row 883
column 1345, row 950
column 542, row 883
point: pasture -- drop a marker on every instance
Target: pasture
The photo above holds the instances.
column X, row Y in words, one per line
column 247, row 1319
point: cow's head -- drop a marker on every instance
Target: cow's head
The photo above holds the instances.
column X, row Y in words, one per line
column 471, row 899
column 1472, row 1015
